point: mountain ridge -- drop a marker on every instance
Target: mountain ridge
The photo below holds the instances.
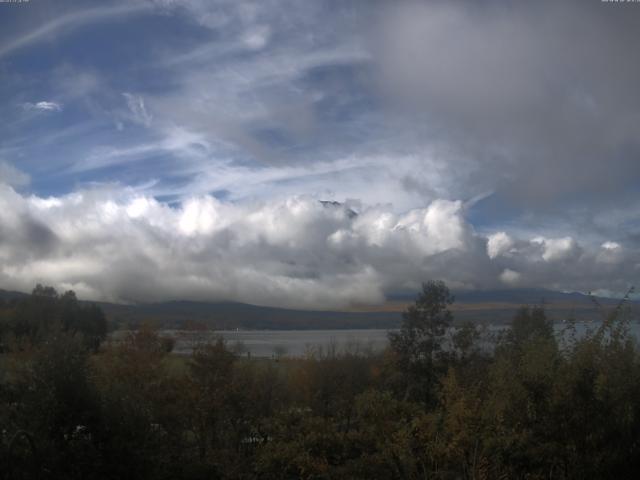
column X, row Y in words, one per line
column 486, row 307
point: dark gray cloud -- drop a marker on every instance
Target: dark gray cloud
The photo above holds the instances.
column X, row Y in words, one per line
column 544, row 95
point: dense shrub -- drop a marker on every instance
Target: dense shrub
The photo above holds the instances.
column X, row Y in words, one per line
column 431, row 406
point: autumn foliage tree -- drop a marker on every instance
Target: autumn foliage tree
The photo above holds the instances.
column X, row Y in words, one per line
column 418, row 345
column 441, row 402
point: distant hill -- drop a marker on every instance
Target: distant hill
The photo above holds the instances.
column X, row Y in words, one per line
column 520, row 296
column 499, row 306
column 227, row 315
column 494, row 306
column 10, row 295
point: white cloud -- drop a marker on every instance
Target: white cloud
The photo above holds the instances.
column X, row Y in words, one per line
column 12, row 176
column 556, row 248
column 44, row 106
column 138, row 109
column 257, row 38
column 117, row 244
column 498, row 244
column 610, row 245
column 177, row 141
column 510, row 277
column 610, row 253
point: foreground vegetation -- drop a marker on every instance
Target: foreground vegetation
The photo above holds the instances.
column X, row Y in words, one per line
column 428, row 407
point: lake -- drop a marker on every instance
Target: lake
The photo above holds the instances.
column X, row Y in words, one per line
column 268, row 343
column 272, row 343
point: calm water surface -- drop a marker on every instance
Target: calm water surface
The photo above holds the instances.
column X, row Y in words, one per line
column 270, row 343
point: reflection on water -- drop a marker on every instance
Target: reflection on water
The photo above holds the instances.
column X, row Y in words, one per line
column 277, row 343
column 268, row 343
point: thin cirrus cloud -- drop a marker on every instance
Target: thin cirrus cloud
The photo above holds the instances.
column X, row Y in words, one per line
column 12, row 176
column 69, row 21
column 138, row 109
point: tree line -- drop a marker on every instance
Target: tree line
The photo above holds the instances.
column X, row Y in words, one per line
column 435, row 404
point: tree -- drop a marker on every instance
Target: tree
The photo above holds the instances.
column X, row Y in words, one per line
column 59, row 406
column 529, row 324
column 136, row 392
column 210, row 378
column 418, row 344
column 33, row 319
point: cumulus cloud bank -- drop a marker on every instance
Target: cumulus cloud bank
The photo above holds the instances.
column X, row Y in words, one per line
column 115, row 244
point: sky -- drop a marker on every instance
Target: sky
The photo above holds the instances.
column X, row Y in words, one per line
column 318, row 154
